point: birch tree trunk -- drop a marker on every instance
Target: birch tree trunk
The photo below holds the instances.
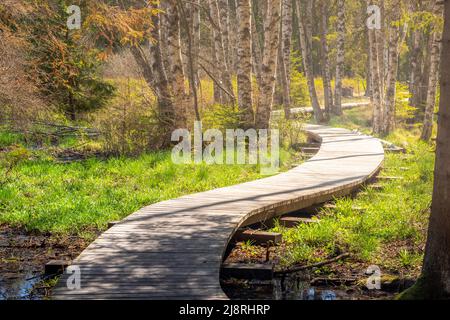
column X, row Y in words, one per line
column 340, row 57
column 375, row 79
column 326, row 74
column 256, row 53
column 244, row 65
column 394, row 37
column 432, row 89
column 196, row 38
column 285, row 58
column 269, row 67
column 176, row 63
column 225, row 31
column 414, row 81
column 220, row 52
column 307, row 64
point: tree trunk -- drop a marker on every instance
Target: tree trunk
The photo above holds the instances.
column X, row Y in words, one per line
column 434, row 282
column 340, row 57
column 308, row 64
column 414, row 81
column 375, row 79
column 192, row 60
column 326, row 74
column 432, row 89
column 244, row 65
column 176, row 63
column 285, row 57
column 269, row 67
column 155, row 75
column 196, row 38
column 225, row 31
column 220, row 52
column 389, row 116
column 256, row 52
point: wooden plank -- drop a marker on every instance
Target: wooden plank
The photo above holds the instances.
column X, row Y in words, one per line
column 174, row 249
column 258, row 237
column 292, row 222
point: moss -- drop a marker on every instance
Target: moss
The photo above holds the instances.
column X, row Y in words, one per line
column 423, row 289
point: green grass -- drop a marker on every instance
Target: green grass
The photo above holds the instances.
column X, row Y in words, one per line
column 8, row 138
column 390, row 231
column 81, row 198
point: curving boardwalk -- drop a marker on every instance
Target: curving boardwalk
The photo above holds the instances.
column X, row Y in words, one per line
column 174, row 249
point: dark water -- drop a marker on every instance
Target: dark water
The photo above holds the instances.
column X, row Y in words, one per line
column 293, row 287
column 19, row 286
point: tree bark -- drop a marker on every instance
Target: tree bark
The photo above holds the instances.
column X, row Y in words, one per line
column 196, row 38
column 340, row 57
column 375, row 79
column 176, row 63
column 394, row 38
column 308, row 64
column 219, row 51
column 414, row 81
column 225, row 27
column 269, row 67
column 155, row 75
column 256, row 52
column 244, row 65
column 432, row 89
column 326, row 74
column 434, row 282
column 285, row 57
column 192, row 59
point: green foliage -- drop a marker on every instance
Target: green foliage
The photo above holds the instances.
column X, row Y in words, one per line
column 299, row 85
column 403, row 110
column 80, row 197
column 221, row 117
column 67, row 69
column 8, row 138
column 10, row 159
column 369, row 225
column 291, row 130
column 129, row 123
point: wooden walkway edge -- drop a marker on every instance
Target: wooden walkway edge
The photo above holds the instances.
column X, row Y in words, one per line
column 174, row 249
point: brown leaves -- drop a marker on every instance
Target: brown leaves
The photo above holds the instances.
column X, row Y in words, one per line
column 126, row 26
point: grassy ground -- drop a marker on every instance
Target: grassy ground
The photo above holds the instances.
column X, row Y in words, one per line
column 80, row 198
column 390, row 229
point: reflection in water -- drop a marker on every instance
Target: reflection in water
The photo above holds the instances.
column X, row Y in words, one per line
column 18, row 286
column 289, row 287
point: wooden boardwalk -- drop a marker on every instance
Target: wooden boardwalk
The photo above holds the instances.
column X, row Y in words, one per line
column 174, row 249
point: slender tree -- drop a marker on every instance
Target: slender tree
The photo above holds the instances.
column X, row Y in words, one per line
column 394, row 39
column 269, row 66
column 256, row 50
column 326, row 73
column 219, row 51
column 176, row 62
column 305, row 44
column 433, row 81
column 376, row 75
column 244, row 65
column 285, row 55
column 340, row 57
